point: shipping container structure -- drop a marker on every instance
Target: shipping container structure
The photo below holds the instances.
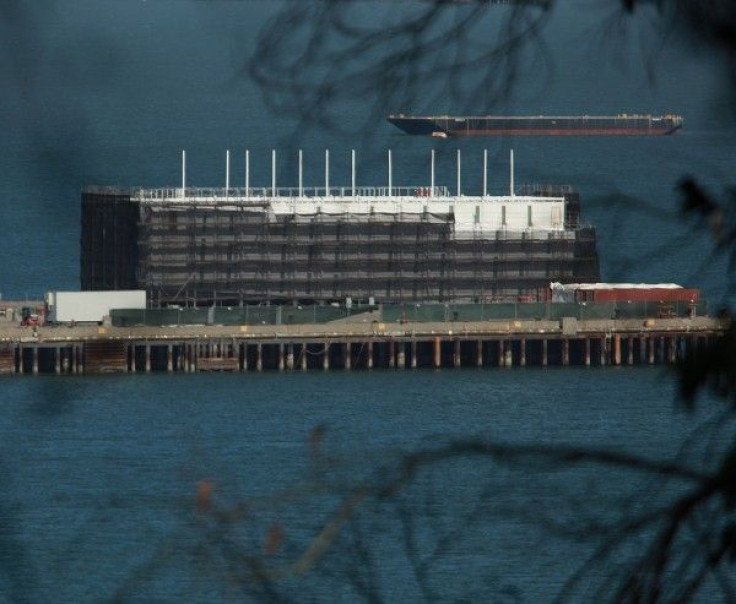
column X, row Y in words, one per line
column 623, row 292
column 232, row 246
column 88, row 306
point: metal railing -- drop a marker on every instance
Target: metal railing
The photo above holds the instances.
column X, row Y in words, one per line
column 261, row 195
column 405, row 313
column 290, row 193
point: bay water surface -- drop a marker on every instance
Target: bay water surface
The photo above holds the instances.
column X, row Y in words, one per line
column 101, row 475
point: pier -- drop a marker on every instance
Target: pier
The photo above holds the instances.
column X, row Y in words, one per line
column 352, row 344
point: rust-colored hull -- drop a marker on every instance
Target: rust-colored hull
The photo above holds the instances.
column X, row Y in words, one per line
column 563, row 132
column 620, row 125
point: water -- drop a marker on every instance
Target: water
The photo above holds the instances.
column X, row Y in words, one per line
column 100, row 473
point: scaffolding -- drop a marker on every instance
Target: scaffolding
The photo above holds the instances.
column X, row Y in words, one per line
column 195, row 247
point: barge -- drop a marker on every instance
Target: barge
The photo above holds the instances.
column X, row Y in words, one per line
column 538, row 125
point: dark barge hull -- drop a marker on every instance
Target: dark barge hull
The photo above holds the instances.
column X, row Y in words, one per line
column 620, row 125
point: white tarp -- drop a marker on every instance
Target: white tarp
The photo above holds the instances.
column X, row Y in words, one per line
column 64, row 307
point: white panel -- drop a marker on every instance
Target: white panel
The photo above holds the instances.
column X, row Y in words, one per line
column 92, row 306
column 471, row 213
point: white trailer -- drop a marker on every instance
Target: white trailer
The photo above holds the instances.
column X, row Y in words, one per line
column 90, row 307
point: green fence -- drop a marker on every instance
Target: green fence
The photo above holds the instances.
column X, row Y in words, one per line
column 389, row 313
column 538, row 311
column 247, row 315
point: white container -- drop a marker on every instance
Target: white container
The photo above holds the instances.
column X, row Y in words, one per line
column 90, row 307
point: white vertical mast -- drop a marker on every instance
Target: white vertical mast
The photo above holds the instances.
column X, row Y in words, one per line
column 301, row 174
column 227, row 172
column 327, row 172
column 273, row 172
column 511, row 187
column 390, row 175
column 183, row 172
column 352, row 154
column 431, row 176
column 247, row 172
column 458, row 173
column 485, row 172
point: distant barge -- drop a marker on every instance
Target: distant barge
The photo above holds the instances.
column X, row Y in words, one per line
column 540, row 125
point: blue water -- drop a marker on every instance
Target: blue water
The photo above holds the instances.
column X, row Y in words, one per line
column 99, row 474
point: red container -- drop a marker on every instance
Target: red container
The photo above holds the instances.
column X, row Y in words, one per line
column 653, row 294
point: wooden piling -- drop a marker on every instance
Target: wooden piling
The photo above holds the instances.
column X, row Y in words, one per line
column 587, row 352
column 457, row 360
column 437, row 352
column 522, row 352
column 290, row 356
column 671, row 349
column 347, row 356
column 545, row 357
column 616, row 349
column 400, row 355
column 662, row 358
column 603, row 347
column 479, row 353
column 413, row 354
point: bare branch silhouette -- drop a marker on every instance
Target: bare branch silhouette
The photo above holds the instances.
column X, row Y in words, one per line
column 313, row 56
column 396, row 489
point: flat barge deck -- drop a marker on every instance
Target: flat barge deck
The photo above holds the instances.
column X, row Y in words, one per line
column 352, row 345
column 538, row 125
